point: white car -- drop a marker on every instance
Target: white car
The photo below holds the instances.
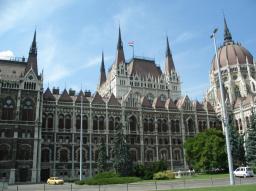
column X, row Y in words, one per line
column 243, row 172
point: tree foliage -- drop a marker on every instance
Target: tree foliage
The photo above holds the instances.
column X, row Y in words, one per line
column 122, row 162
column 236, row 144
column 102, row 157
column 250, row 142
column 206, row 151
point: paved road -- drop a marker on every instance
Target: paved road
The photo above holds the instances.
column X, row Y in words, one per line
column 144, row 186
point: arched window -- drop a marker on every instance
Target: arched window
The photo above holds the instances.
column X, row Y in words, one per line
column 44, row 121
column 95, row 123
column 145, row 125
column 159, row 125
column 4, row 152
column 151, row 125
column 132, row 124
column 45, row 155
column 24, row 152
column 163, row 155
column 8, row 109
column 146, row 141
column 164, row 126
column 133, row 155
column 83, row 154
column 111, row 124
column 190, row 124
column 85, row 123
column 149, row 155
column 117, row 121
column 61, row 122
column 177, row 154
column 27, row 110
column 237, row 91
column 63, row 155
column 50, row 121
column 67, row 122
column 177, row 126
column 101, row 123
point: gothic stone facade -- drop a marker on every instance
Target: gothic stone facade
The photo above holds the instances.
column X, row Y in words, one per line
column 40, row 131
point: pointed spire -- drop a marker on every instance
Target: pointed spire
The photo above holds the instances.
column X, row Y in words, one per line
column 32, row 57
column 33, row 48
column 227, row 34
column 120, row 52
column 102, row 71
column 169, row 64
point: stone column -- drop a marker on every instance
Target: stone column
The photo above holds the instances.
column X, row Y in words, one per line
column 170, row 141
column 107, row 128
column 73, row 131
column 55, row 130
column 156, row 133
column 183, row 133
column 196, row 123
column 141, row 137
column 12, row 176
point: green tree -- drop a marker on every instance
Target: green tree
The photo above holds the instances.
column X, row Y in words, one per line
column 122, row 162
column 250, row 142
column 236, row 144
column 206, row 150
column 102, row 157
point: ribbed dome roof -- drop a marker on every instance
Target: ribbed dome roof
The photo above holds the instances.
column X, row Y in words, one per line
column 232, row 54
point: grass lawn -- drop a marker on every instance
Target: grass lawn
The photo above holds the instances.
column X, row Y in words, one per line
column 251, row 187
column 195, row 177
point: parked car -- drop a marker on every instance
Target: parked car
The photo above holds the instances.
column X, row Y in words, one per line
column 243, row 172
column 55, row 180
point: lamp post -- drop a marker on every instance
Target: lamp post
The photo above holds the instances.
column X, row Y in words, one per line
column 224, row 112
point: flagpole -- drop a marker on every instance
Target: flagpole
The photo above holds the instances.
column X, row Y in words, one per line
column 81, row 138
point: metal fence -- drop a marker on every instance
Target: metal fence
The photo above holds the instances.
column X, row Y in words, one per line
column 141, row 186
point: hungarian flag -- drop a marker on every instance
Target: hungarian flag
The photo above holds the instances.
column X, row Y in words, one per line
column 131, row 43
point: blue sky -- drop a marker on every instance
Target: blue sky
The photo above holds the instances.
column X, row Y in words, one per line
column 72, row 34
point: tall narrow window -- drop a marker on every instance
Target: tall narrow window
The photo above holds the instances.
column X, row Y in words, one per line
column 8, row 109
column 27, row 110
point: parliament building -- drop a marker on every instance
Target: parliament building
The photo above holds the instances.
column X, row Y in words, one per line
column 40, row 127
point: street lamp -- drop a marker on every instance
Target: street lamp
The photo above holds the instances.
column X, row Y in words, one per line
column 224, row 112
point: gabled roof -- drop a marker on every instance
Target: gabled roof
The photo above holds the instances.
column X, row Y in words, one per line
column 181, row 102
column 97, row 99
column 113, row 101
column 198, row 106
column 157, row 103
column 169, row 104
column 65, row 97
column 78, row 98
column 145, row 102
column 48, row 95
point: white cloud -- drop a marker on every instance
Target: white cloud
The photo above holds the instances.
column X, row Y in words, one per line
column 6, row 54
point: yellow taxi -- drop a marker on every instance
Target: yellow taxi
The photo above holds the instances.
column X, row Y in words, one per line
column 55, row 180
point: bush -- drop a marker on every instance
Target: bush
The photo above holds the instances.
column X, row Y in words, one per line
column 147, row 172
column 108, row 178
column 164, row 175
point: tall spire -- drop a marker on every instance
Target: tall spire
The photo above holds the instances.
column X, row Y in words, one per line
column 32, row 57
column 227, row 34
column 102, row 71
column 169, row 64
column 33, row 48
column 120, row 52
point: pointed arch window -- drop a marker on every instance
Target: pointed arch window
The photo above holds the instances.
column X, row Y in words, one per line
column 111, row 124
column 50, row 121
column 61, row 122
column 28, row 110
column 132, row 124
column 8, row 109
column 63, row 155
column 4, row 152
column 101, row 123
column 237, row 91
column 68, row 122
column 45, row 155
